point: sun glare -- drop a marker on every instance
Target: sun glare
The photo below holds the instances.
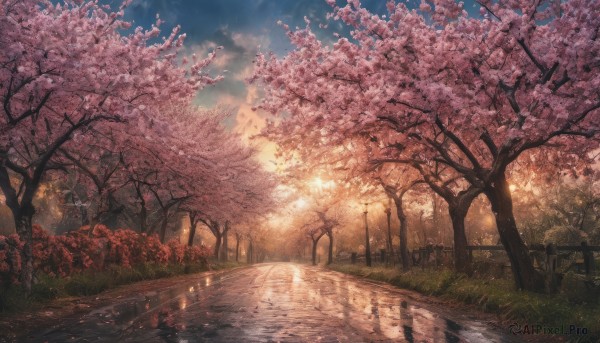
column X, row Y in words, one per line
column 317, row 184
column 301, row 203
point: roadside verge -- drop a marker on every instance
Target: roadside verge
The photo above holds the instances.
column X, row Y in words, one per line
column 530, row 311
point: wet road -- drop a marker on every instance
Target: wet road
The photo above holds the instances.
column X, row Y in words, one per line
column 272, row 303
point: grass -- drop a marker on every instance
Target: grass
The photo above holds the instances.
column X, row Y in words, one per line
column 14, row 299
column 496, row 296
column 225, row 265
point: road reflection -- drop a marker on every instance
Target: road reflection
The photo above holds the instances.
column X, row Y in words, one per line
column 273, row 303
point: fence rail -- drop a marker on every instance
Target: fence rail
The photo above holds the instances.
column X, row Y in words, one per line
column 534, row 248
column 546, row 257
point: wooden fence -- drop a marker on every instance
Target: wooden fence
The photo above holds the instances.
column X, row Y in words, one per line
column 546, row 258
column 550, row 257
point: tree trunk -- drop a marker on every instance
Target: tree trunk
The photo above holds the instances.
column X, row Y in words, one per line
column 237, row 248
column 163, row 227
column 22, row 212
column 424, row 229
column 330, row 254
column 143, row 211
column 85, row 220
column 436, row 217
column 191, row 235
column 367, row 242
column 249, row 252
column 314, row 251
column 143, row 220
column 24, row 227
column 217, row 244
column 390, row 246
column 93, row 222
column 458, row 213
column 403, row 233
column 458, row 207
column 498, row 192
column 225, row 246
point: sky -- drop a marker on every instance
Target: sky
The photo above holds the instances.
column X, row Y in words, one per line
column 242, row 28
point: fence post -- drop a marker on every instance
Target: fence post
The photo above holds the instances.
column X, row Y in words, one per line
column 382, row 255
column 438, row 254
column 551, row 281
column 550, row 257
column 588, row 259
column 353, row 258
column 428, row 252
column 416, row 257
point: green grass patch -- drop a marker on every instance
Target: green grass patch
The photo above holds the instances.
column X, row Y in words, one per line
column 14, row 299
column 495, row 296
column 225, row 265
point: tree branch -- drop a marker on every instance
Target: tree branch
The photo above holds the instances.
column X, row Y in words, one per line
column 540, row 66
column 458, row 143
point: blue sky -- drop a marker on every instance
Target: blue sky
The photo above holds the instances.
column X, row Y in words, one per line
column 240, row 26
column 207, row 19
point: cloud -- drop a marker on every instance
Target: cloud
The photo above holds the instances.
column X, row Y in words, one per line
column 248, row 121
column 143, row 12
column 234, row 62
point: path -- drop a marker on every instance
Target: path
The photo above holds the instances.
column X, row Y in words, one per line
column 279, row 302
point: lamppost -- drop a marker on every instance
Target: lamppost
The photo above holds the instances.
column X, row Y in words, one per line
column 388, row 213
column 367, row 243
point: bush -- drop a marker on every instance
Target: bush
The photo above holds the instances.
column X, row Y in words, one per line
column 102, row 249
column 580, row 289
column 10, row 259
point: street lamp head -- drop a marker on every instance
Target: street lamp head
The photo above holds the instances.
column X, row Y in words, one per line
column 366, row 207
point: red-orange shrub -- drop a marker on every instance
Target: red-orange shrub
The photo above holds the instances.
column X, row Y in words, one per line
column 10, row 259
column 79, row 250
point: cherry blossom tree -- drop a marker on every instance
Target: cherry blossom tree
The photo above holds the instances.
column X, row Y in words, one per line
column 245, row 191
column 65, row 69
column 471, row 93
column 443, row 181
column 240, row 231
column 251, row 197
column 371, row 160
column 396, row 182
column 200, row 168
column 194, row 219
column 305, row 225
column 225, row 183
